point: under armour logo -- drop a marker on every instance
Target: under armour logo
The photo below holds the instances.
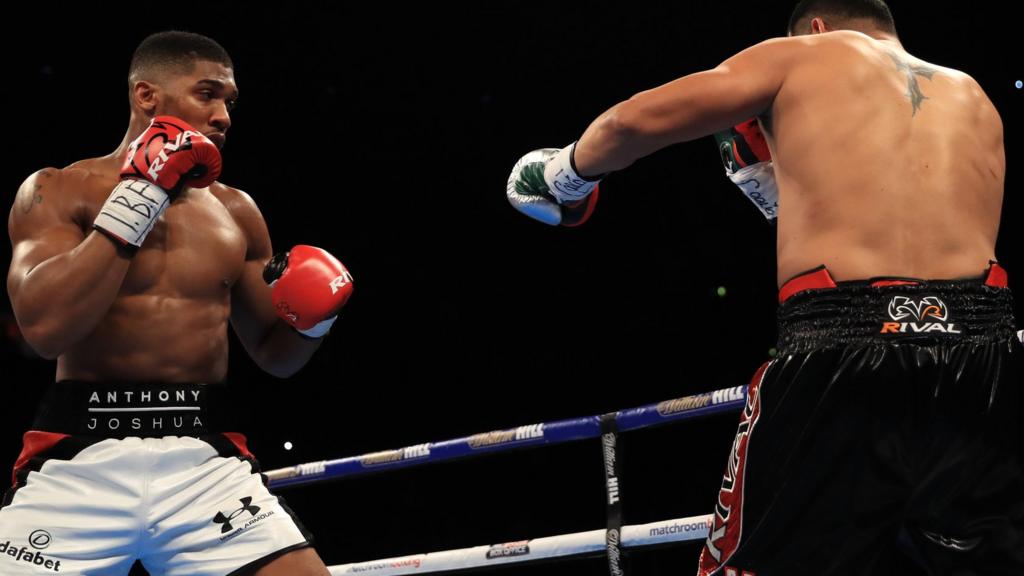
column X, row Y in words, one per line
column 960, row 545
column 220, row 518
column 902, row 307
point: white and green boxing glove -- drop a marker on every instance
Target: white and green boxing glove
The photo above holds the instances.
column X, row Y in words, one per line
column 546, row 186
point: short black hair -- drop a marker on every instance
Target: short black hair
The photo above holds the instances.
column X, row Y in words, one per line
column 844, row 10
column 174, row 51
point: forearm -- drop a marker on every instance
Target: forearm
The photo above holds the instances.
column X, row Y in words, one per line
column 614, row 141
column 283, row 352
column 63, row 299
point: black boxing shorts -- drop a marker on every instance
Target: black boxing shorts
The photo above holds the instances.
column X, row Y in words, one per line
column 884, row 438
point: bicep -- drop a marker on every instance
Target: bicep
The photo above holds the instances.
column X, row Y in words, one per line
column 41, row 225
column 252, row 312
column 705, row 102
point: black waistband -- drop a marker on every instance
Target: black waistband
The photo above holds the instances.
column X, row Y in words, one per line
column 926, row 312
column 122, row 409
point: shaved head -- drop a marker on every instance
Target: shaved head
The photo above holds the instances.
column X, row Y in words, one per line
column 173, row 53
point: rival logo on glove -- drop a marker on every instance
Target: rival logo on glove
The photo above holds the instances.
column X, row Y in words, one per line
column 340, row 282
column 182, row 141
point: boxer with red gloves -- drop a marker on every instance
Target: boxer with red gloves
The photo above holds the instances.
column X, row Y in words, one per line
column 128, row 270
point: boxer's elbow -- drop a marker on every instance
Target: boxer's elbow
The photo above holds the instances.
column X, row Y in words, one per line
column 46, row 331
column 270, row 363
column 279, row 370
column 280, row 361
column 281, row 352
column 47, row 340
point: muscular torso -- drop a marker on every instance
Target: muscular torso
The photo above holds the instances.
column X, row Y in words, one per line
column 886, row 165
column 169, row 321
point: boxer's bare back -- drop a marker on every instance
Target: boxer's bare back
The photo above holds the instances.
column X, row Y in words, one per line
column 886, row 165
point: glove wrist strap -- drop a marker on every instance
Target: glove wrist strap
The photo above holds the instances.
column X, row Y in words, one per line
column 319, row 330
column 131, row 210
column 564, row 182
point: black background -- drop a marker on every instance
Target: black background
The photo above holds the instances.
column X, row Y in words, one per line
column 385, row 134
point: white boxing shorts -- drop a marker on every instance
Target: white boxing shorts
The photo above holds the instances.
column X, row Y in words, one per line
column 96, row 488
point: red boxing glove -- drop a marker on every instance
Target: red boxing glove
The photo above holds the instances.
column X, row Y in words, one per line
column 171, row 153
column 309, row 288
column 747, row 145
column 165, row 157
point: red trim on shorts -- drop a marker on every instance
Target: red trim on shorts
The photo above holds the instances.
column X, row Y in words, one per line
column 239, row 441
column 997, row 276
column 820, row 278
column 34, row 443
column 813, row 280
column 726, row 532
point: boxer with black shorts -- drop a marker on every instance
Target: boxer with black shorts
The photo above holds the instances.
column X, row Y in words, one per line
column 888, row 430
column 127, row 270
